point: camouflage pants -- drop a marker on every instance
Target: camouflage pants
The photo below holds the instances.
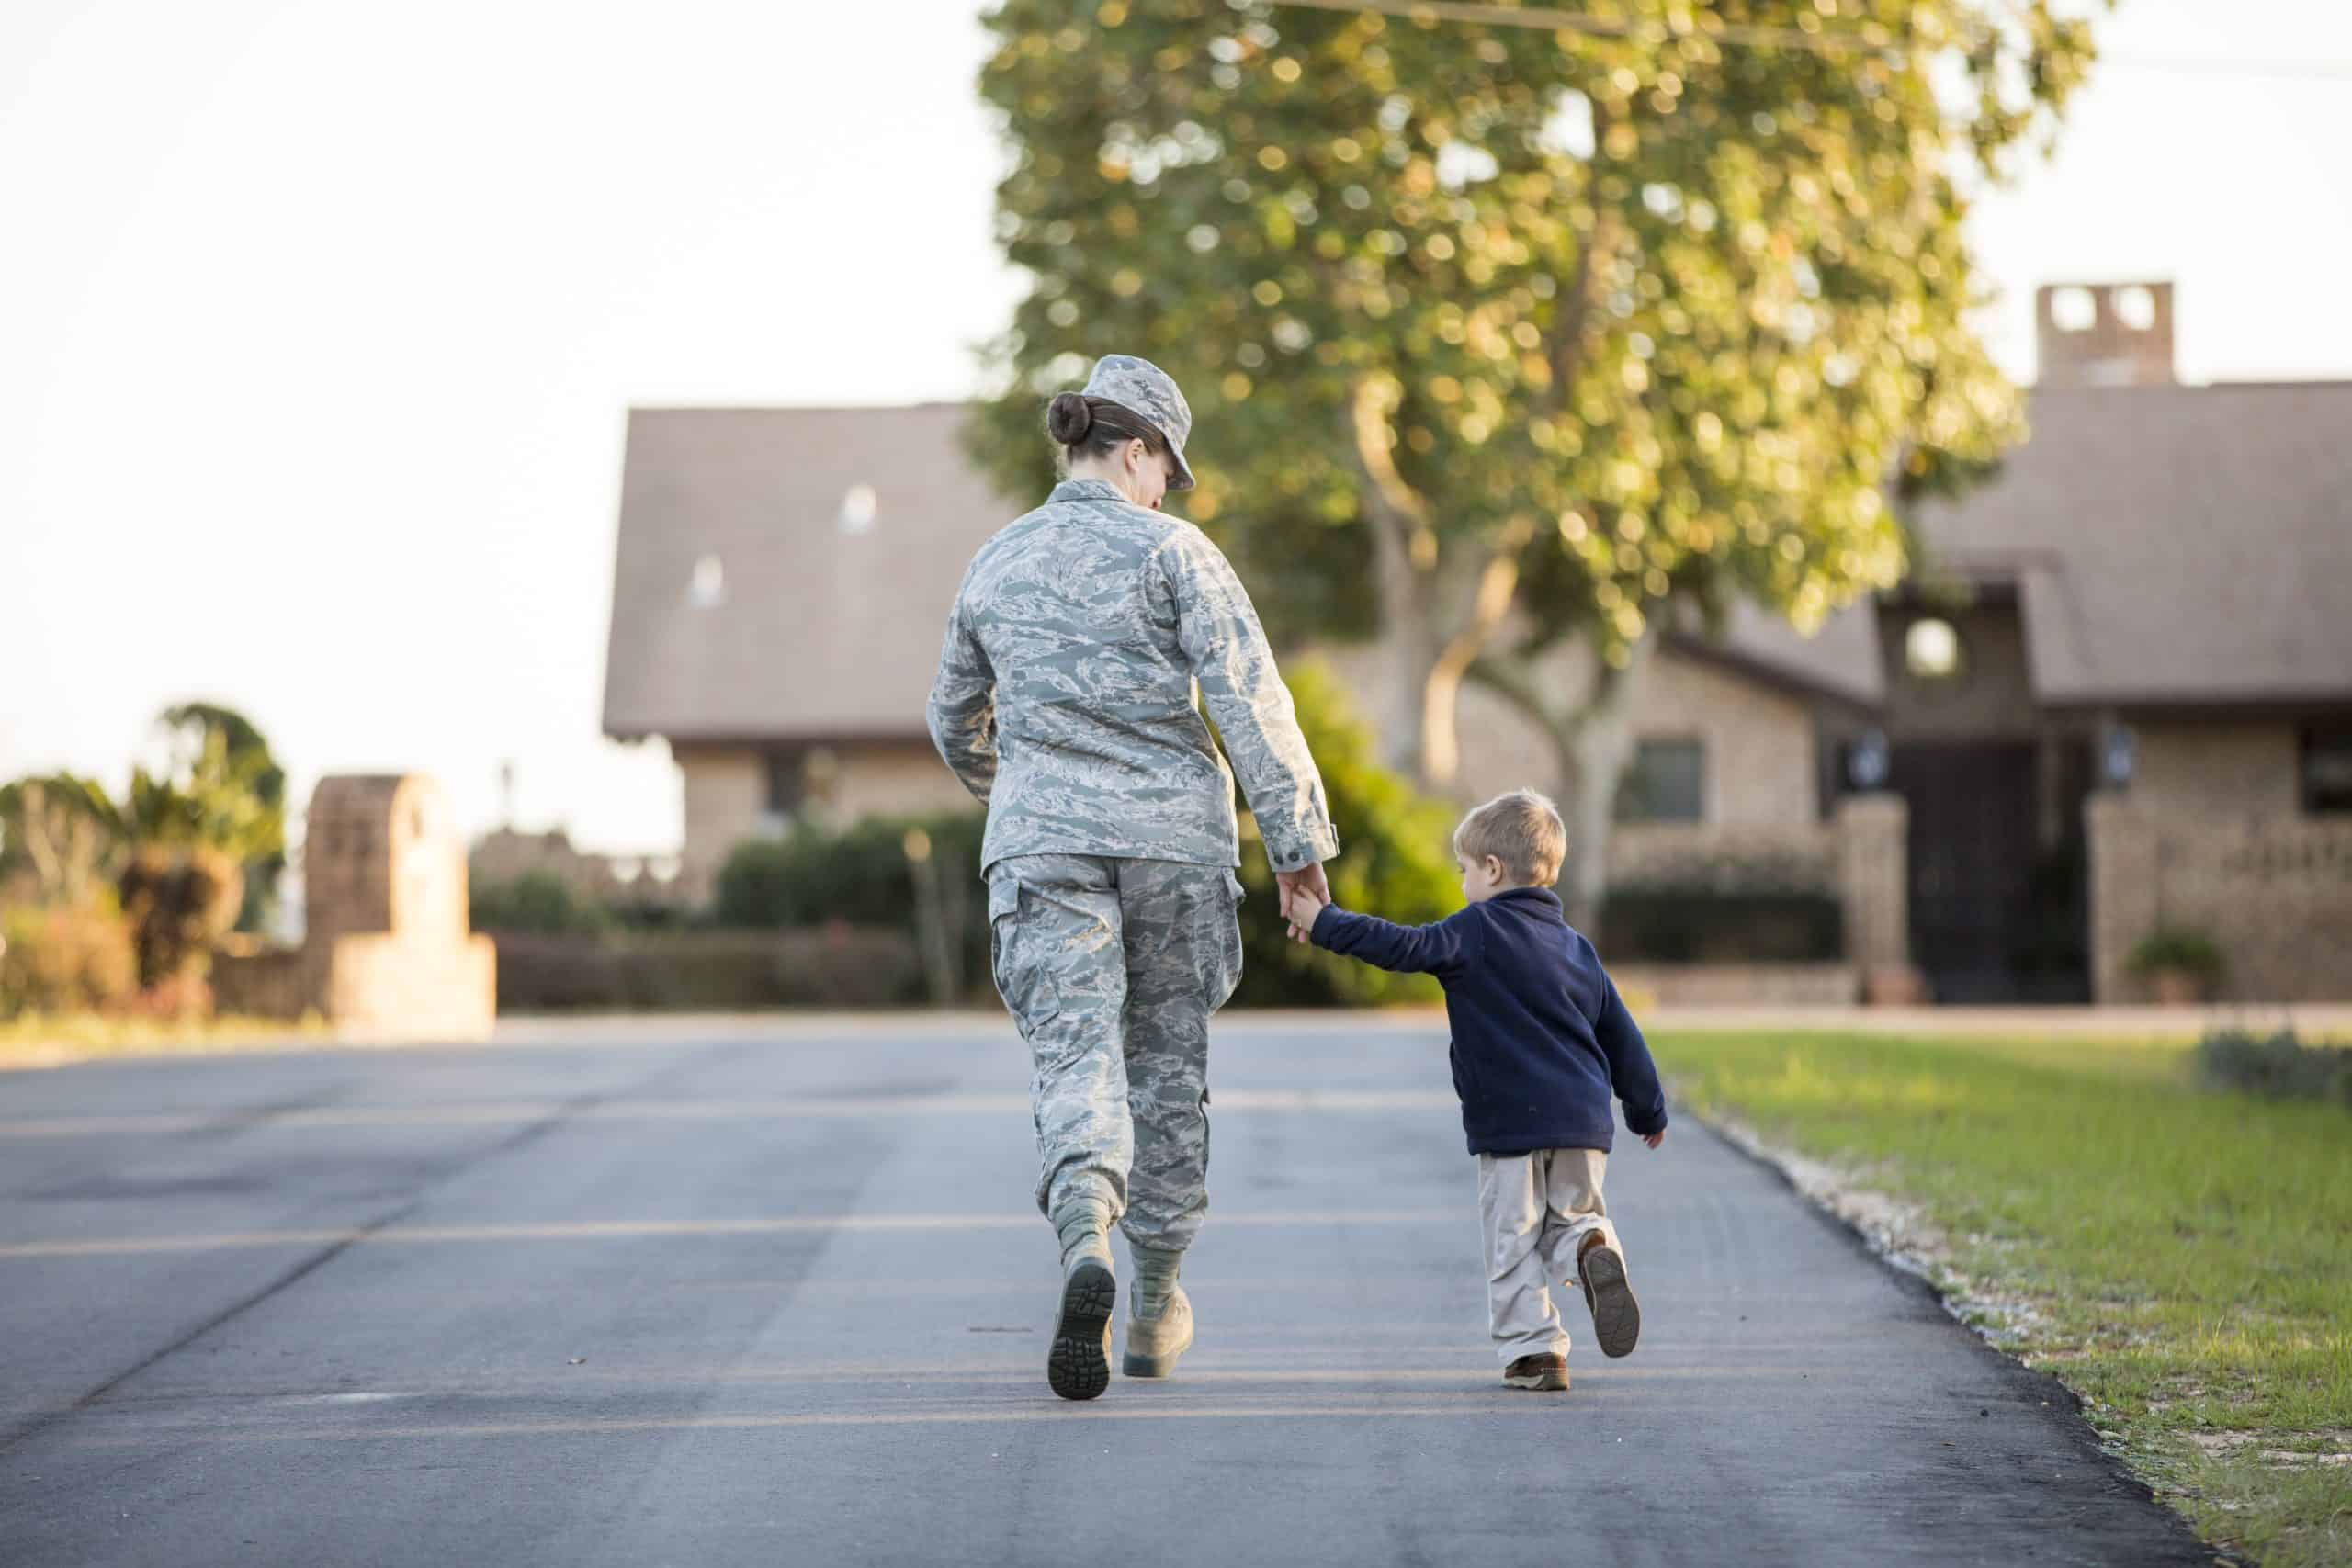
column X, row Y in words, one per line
column 1110, row 968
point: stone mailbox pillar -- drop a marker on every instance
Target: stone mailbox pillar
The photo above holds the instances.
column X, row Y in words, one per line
column 1873, row 846
column 387, row 952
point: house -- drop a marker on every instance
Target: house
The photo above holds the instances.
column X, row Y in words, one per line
column 2115, row 697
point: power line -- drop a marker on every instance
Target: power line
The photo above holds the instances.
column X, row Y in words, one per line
column 1745, row 35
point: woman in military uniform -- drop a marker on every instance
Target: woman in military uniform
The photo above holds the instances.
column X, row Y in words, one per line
column 1066, row 700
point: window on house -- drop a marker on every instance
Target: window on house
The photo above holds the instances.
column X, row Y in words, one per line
column 786, row 784
column 1665, row 783
column 2327, row 769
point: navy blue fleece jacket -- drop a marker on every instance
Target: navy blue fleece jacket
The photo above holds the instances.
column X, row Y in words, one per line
column 1540, row 1037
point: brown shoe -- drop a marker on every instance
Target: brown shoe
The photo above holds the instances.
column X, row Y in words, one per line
column 1616, row 1315
column 1545, row 1375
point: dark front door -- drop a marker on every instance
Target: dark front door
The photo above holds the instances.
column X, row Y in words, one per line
column 1985, row 895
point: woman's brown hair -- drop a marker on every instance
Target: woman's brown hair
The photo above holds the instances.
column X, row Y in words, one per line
column 1096, row 427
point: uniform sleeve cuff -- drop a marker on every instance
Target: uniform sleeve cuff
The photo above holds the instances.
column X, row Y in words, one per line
column 1297, row 854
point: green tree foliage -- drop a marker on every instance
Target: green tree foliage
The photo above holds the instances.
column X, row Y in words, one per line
column 215, row 787
column 62, row 841
column 173, row 860
column 1521, row 333
column 248, row 788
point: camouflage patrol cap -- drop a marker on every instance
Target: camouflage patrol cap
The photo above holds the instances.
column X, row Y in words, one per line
column 1140, row 385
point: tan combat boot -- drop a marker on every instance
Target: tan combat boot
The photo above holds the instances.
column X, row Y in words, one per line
column 1154, row 1343
column 1079, row 1365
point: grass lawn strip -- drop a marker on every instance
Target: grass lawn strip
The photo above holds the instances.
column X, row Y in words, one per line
column 2180, row 1258
column 37, row 1040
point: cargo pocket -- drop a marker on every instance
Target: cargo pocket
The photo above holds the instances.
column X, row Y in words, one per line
column 1229, row 936
column 1004, row 908
column 1013, row 958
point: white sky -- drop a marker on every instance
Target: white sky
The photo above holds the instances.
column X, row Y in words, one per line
column 318, row 323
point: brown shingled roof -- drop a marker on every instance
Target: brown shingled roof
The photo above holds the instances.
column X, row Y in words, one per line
column 820, row 627
column 2173, row 545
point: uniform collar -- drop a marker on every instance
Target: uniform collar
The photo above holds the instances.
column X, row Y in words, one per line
column 1089, row 490
column 1539, row 896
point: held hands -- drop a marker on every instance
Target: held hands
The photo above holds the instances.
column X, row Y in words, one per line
column 1304, row 892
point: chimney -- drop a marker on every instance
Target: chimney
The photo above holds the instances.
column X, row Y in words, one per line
column 2104, row 334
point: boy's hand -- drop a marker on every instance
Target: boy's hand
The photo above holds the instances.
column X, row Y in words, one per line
column 1303, row 893
column 1655, row 1139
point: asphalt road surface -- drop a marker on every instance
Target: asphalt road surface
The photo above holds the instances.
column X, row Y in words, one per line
column 777, row 1295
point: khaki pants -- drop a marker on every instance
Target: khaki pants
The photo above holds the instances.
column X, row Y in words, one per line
column 1535, row 1210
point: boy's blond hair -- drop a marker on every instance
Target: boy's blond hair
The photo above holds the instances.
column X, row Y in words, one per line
column 1523, row 830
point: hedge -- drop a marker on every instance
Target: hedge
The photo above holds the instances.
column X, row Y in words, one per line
column 1654, row 924
column 840, row 966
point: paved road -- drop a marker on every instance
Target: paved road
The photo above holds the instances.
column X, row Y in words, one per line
column 773, row 1294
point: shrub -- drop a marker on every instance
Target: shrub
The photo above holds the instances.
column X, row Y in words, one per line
column 535, row 901
column 2180, row 949
column 66, row 960
column 1653, row 923
column 2278, row 1066
column 1396, row 860
column 1393, row 861
column 861, row 875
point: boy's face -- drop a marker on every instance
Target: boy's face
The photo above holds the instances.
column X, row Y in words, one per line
column 1481, row 878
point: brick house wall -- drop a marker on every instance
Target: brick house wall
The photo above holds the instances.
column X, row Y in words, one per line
column 2211, row 836
column 2219, row 768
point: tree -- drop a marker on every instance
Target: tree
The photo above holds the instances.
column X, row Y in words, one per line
column 1527, row 334
column 61, row 841
column 217, row 787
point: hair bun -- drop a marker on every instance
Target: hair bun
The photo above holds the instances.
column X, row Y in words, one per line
column 1068, row 418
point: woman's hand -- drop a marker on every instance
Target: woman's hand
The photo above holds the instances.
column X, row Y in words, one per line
column 1304, row 896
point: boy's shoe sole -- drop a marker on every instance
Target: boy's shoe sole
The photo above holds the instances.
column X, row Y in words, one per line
column 1616, row 1315
column 1078, row 1366
column 1542, row 1379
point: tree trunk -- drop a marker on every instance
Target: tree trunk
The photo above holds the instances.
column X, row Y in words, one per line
column 1596, row 755
column 1437, row 615
column 1591, row 741
column 1410, row 645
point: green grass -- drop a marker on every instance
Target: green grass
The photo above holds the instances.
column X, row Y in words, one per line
column 47, row 1040
column 2187, row 1254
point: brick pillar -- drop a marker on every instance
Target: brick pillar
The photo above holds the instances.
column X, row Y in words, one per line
column 2126, row 888
column 1872, row 881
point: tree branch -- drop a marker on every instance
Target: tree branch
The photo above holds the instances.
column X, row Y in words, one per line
column 1394, row 502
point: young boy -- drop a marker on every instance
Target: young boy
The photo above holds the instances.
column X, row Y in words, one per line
column 1539, row 1039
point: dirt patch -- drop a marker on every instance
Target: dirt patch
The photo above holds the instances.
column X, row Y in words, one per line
column 2327, row 1447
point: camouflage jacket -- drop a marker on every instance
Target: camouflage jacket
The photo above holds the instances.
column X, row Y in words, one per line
column 1065, row 694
